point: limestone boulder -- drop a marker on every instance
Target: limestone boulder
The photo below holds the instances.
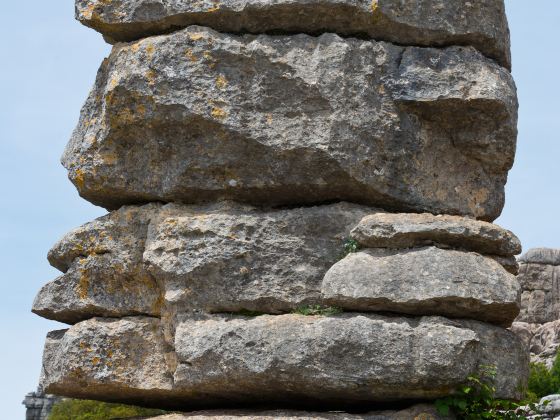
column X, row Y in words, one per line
column 178, row 117
column 540, row 298
column 420, row 412
column 103, row 270
column 481, row 24
column 220, row 257
column 407, row 230
column 547, row 256
column 229, row 361
column 424, row 281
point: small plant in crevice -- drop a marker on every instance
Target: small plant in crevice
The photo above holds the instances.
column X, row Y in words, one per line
column 476, row 399
column 350, row 246
column 310, row 310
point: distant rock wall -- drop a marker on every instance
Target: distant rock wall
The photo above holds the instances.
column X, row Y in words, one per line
column 39, row 405
column 538, row 323
column 301, row 196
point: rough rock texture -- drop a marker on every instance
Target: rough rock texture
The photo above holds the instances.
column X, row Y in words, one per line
column 232, row 360
column 406, row 230
column 538, row 323
column 419, row 412
column 217, row 258
column 38, row 405
column 481, row 23
column 178, row 117
column 424, row 281
column 103, row 270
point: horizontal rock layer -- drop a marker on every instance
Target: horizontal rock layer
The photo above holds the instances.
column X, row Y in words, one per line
column 406, row 230
column 480, row 23
column 420, row 412
column 166, row 260
column 178, row 117
column 546, row 256
column 293, row 360
column 424, row 281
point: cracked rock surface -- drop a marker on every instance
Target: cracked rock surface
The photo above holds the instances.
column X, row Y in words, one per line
column 178, row 117
column 480, row 23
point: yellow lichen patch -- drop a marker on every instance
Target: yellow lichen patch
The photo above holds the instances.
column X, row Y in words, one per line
column 135, row 47
column 88, row 12
column 219, row 113
column 190, row 55
column 150, row 50
column 151, row 77
column 269, row 118
column 221, row 82
column 374, row 5
column 215, row 6
column 79, row 178
column 196, row 36
column 95, row 361
column 113, row 83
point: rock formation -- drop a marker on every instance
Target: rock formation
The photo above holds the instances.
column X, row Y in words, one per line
column 301, row 197
column 538, row 323
column 38, row 405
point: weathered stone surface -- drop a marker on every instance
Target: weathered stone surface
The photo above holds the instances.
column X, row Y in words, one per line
column 540, row 299
column 180, row 117
column 407, row 230
column 509, row 263
column 482, row 24
column 424, row 281
column 546, row 256
column 216, row 258
column 419, row 412
column 103, row 270
column 541, row 340
column 232, row 360
column 355, row 358
column 109, row 359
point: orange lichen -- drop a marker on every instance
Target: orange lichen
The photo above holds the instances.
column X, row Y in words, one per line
column 219, row 113
column 79, row 178
column 221, row 82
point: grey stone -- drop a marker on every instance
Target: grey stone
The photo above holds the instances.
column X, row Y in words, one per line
column 546, row 256
column 295, row 360
column 407, row 230
column 179, row 117
column 103, row 270
column 545, row 343
column 108, row 359
column 38, row 405
column 354, row 358
column 420, row 412
column 540, row 298
column 525, row 331
column 424, row 281
column 481, row 23
column 217, row 258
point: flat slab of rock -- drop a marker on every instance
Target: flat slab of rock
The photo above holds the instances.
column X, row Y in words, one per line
column 103, row 270
column 482, row 24
column 295, row 360
column 215, row 258
column 547, row 256
column 424, row 281
column 407, row 230
column 177, row 117
column 420, row 412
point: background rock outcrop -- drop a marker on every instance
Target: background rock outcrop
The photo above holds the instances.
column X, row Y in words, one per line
column 538, row 323
column 301, row 197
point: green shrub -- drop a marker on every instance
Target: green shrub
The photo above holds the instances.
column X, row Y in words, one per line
column 96, row 410
column 476, row 400
column 350, row 246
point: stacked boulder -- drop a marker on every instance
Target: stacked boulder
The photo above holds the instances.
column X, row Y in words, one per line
column 242, row 147
column 538, row 323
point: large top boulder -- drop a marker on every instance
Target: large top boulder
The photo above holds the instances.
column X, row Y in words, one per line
column 179, row 117
column 480, row 23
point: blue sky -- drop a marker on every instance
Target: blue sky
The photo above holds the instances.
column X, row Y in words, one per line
column 48, row 65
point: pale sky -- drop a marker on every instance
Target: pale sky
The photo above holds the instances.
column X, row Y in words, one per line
column 48, row 65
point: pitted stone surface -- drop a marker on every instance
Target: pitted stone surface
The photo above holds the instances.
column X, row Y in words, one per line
column 419, row 412
column 423, row 281
column 217, row 258
column 407, row 230
column 103, row 270
column 180, row 117
column 232, row 360
column 480, row 23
